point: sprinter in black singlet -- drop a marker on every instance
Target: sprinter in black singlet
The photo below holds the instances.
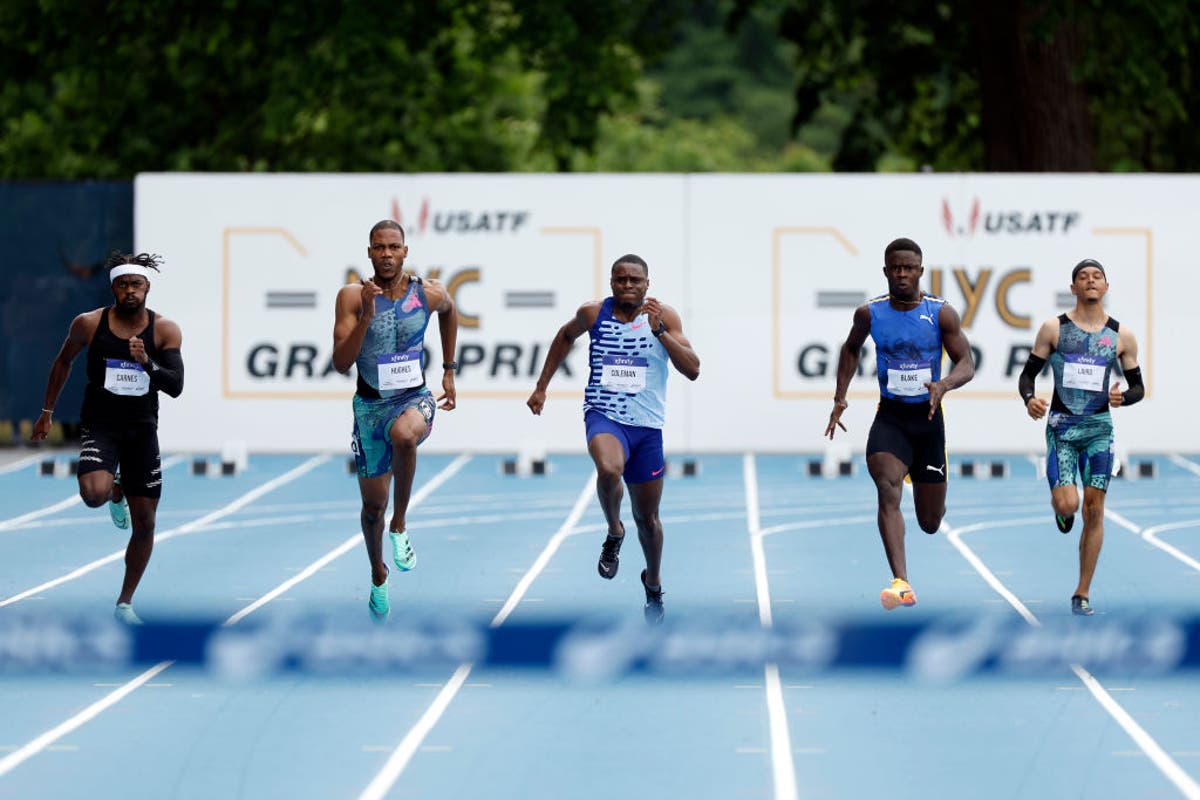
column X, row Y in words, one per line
column 132, row 355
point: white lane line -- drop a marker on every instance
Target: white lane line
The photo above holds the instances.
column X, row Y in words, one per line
column 61, row 505
column 539, row 564
column 48, row 738
column 382, row 783
column 182, row 530
column 1186, row 785
column 817, row 523
column 20, row 464
column 1180, row 461
column 75, row 499
column 312, row 569
column 1151, row 536
column 783, row 769
column 954, row 534
column 40, row 743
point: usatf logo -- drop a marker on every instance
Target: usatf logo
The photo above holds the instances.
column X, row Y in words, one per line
column 461, row 221
column 1010, row 222
column 967, row 229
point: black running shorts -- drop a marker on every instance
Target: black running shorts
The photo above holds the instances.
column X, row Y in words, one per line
column 905, row 431
column 132, row 449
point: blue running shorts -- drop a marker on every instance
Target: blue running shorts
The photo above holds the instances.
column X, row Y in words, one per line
column 372, row 418
column 643, row 447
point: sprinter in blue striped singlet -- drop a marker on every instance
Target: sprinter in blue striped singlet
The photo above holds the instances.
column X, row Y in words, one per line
column 908, row 437
column 380, row 329
column 1082, row 347
column 633, row 338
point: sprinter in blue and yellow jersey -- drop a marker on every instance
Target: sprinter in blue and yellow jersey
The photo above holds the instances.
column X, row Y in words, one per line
column 1082, row 347
column 910, row 329
column 633, row 340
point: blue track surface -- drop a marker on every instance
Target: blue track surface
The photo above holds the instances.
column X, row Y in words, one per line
column 226, row 546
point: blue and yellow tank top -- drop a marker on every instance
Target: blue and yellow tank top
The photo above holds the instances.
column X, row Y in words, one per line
column 392, row 358
column 627, row 381
column 1082, row 363
column 908, row 347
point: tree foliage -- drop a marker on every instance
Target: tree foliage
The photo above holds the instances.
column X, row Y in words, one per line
column 1027, row 85
column 109, row 89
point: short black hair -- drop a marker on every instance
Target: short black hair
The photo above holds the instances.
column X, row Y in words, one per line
column 384, row 224
column 903, row 244
column 1088, row 262
column 630, row 258
column 116, row 258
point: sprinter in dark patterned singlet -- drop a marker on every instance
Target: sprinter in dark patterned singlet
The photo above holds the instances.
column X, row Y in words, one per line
column 1082, row 346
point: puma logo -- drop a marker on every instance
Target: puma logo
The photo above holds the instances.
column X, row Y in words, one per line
column 939, row 470
column 927, row 317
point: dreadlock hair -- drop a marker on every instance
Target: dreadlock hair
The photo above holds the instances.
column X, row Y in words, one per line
column 116, row 258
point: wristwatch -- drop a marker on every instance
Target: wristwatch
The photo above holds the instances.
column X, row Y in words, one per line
column 450, row 365
column 660, row 330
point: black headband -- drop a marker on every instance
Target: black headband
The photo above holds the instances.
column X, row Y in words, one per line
column 1088, row 262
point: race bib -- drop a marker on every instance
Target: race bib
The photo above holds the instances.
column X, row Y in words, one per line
column 400, row 370
column 1084, row 372
column 125, row 378
column 623, row 374
column 908, row 378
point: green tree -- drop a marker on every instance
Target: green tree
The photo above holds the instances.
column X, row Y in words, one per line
column 106, row 90
column 1027, row 85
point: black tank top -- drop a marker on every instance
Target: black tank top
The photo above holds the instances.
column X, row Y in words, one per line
column 103, row 407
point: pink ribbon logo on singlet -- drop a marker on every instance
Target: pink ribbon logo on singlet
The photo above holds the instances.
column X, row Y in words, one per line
column 410, row 302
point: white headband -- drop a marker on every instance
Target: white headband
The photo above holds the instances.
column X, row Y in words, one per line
column 128, row 269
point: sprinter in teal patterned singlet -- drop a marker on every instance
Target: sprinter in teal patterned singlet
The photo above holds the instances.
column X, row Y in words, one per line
column 1082, row 348
column 380, row 329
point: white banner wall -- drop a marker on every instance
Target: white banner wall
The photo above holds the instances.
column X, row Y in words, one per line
column 254, row 264
column 766, row 271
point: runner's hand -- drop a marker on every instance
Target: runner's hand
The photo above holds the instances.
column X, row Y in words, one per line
column 937, row 390
column 835, row 418
column 370, row 290
column 653, row 311
column 448, row 401
column 137, row 349
column 1036, row 407
column 1115, row 398
column 537, row 401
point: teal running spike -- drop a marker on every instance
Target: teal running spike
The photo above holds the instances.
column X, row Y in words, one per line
column 119, row 511
column 402, row 551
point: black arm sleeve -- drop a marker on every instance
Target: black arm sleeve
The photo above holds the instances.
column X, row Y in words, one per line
column 1025, row 383
column 166, row 374
column 1137, row 389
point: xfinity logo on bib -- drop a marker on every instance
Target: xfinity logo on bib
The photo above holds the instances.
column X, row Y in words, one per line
column 428, row 220
column 1014, row 222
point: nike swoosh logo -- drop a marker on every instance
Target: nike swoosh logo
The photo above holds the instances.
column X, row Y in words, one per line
column 637, row 325
column 658, row 471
